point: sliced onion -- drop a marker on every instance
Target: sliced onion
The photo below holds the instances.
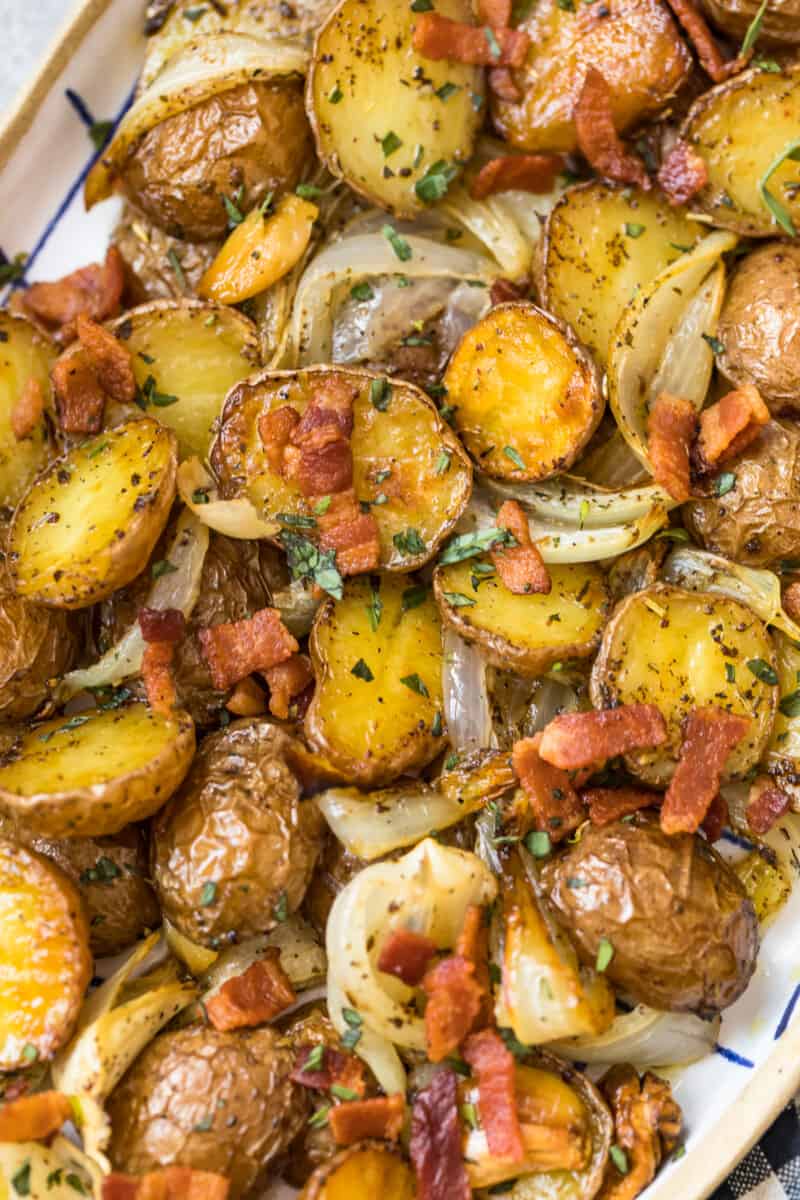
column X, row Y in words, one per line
column 467, row 711
column 205, row 67
column 611, row 464
column 301, row 956
column 298, row 606
column 492, row 222
column 551, row 697
column 235, row 518
column 570, row 501
column 646, row 1037
column 377, row 1051
column 701, row 571
column 177, row 589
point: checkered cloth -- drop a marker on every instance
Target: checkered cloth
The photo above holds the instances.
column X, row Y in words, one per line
column 771, row 1171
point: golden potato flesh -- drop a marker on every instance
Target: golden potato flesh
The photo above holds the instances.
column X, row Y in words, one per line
column 24, row 354
column 525, row 634
column 378, row 701
column 526, row 395
column 683, row 650
column 87, row 526
column 362, row 1172
column 45, row 962
column 635, row 43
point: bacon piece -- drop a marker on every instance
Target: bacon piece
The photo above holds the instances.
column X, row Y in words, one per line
column 520, row 567
column 455, row 1001
column 521, row 172
column 118, row 1186
column 287, row 680
column 682, row 174
column 607, row 805
column 254, row 997
column 275, row 428
column 80, row 400
column 730, row 425
column 319, row 457
column 28, row 408
column 435, row 1145
column 351, row 533
column 406, row 955
column 702, row 39
column 598, row 140
column 766, row 803
column 95, row 291
column 554, row 803
column 791, row 601
column 503, row 290
column 162, row 624
column 716, row 818
column 378, row 1117
column 496, row 13
column 473, row 945
column 111, row 362
column 501, row 82
column 157, row 676
column 168, row 1183
column 671, row 427
column 709, row 736
column 247, row 699
column 235, row 650
column 583, row 739
column 493, row 1065
column 337, row 1067
column 34, row 1118
column 438, row 37
column 647, row 1125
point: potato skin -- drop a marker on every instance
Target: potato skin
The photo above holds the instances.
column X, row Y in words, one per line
column 684, row 933
column 759, row 325
column 758, row 521
column 240, row 1081
column 781, row 21
column 36, row 645
column 238, row 823
column 254, row 136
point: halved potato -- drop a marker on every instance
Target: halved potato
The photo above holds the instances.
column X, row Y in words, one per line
column 92, row 774
column 44, row 956
column 526, row 394
column 682, row 650
column 25, row 353
column 740, row 129
column 378, row 699
column 87, row 526
column 363, row 1171
column 382, row 114
column 194, row 353
column 406, row 460
column 525, row 634
column 600, row 244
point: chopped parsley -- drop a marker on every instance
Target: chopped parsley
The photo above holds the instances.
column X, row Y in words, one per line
column 100, row 132
column 413, row 596
column 208, row 894
column 512, row 454
column 362, row 291
column 374, row 610
column 469, row 545
column 619, row 1159
column 234, row 212
column 790, row 153
column 280, row 909
column 459, row 600
column 21, row 1179
column 162, row 567
column 716, row 345
column 790, row 704
column 724, row 483
column 307, row 561
column 415, row 684
column 343, row 1093
column 435, row 182
column 380, row 393
column 308, row 191
column 11, row 271
column 320, row 1118
column 763, row 671
column 538, row 844
column 335, row 94
column 390, row 143
column 754, row 29
column 605, row 953
column 443, row 462
column 315, row 1059
column 362, row 671
column 398, row 243
column 103, row 871
column 446, row 90
column 494, row 47
column 409, row 542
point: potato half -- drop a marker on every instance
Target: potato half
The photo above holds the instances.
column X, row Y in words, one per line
column 525, row 634
column 25, row 354
column 87, row 526
column 362, row 1172
column 682, row 650
column 382, row 114
column 526, row 393
column 92, row 774
column 44, row 956
column 377, row 706
column 601, row 243
column 406, row 459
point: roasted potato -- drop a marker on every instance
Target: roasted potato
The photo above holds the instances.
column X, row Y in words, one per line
column 36, row 646
column 683, row 933
column 88, row 524
column 90, row 775
column 759, row 326
column 240, row 144
column 44, row 956
column 682, row 650
column 25, row 354
column 377, row 706
column 335, row 868
column 361, row 1172
column 151, row 256
column 526, row 394
column 757, row 522
column 234, row 851
column 741, row 129
column 213, row 1101
column 525, row 634
column 780, row 21
column 429, row 475
column 643, row 58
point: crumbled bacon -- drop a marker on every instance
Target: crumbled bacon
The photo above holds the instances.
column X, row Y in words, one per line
column 455, row 1001
column 521, row 172
column 157, row 676
column 520, row 567
column 117, row 1186
column 503, row 290
column 319, row 457
column 254, row 997
column 111, row 362
column 647, row 1125
column 435, row 1145
column 28, row 408
column 791, row 601
column 607, row 805
column 275, row 429
column 473, row 946
column 80, row 400
column 682, row 174
column 335, row 1067
column 95, row 291
column 493, row 1065
column 766, row 803
column 287, row 680
column 437, row 37
column 709, row 736
column 406, row 955
column 162, row 624
column 716, row 818
column 353, row 534
column 496, row 13
column 247, row 699
column 554, row 803
column 671, row 428
column 34, row 1118
column 582, row 739
column 730, row 425
column 702, row 39
column 378, row 1117
column 168, row 1183
column 501, row 82
column 235, row 650
column 598, row 140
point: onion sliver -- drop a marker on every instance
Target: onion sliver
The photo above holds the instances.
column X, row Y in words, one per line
column 646, row 1037
column 701, row 571
column 236, row 518
column 467, row 711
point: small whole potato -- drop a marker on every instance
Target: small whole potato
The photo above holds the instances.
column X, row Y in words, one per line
column 683, row 932
column 242, row 143
column 213, row 1101
column 234, row 851
column 780, row 21
column 36, row 646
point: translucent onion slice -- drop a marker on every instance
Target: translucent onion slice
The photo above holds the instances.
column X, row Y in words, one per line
column 301, row 956
column 59, row 1171
column 646, row 1037
column 467, row 711
column 701, row 571
column 571, row 501
column 493, row 223
column 235, row 518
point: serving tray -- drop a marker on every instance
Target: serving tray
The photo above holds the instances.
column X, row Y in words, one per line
column 46, row 151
